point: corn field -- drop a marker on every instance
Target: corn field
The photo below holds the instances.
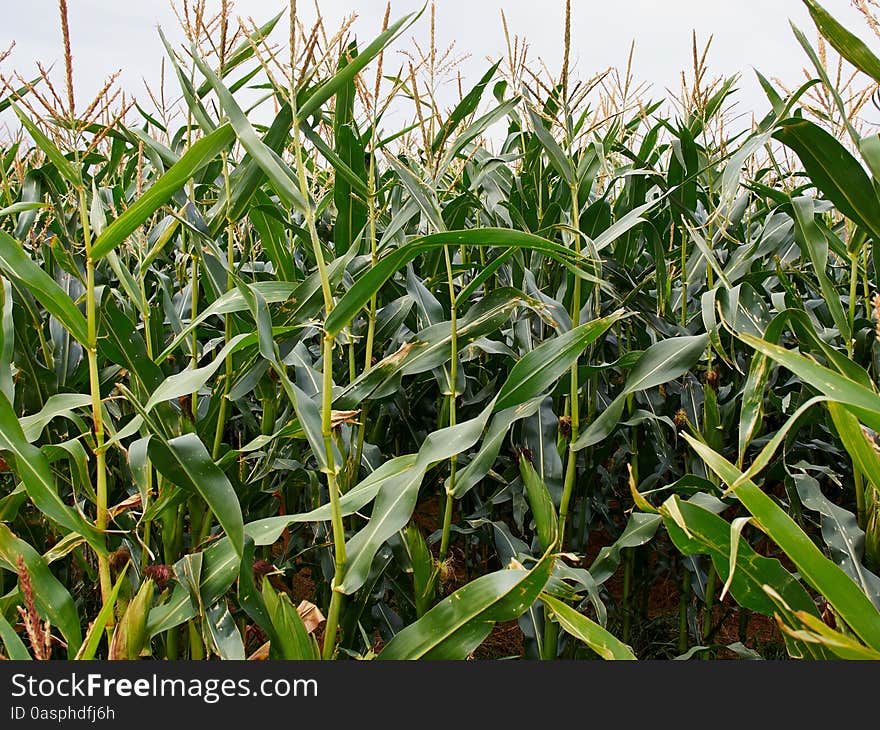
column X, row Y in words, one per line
column 296, row 363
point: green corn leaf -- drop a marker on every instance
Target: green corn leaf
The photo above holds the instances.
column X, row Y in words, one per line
column 481, row 463
column 464, row 108
column 15, row 648
column 814, row 634
column 58, row 160
column 759, row 371
column 473, row 131
column 710, row 535
column 18, row 93
column 857, row 443
column 768, row 452
column 51, row 598
column 640, row 529
column 36, row 474
column 273, row 237
column 231, row 302
column 193, row 102
column 841, row 533
column 123, row 344
column 165, row 155
column 224, row 633
column 624, row 224
column 396, row 499
column 185, row 461
column 659, row 364
column 845, row 43
column 424, row 569
column 736, row 528
column 162, row 190
column 96, row 630
column 355, row 298
column 544, row 365
column 558, row 159
column 861, row 400
column 833, row 170
column 189, row 381
column 22, row 269
column 343, row 77
column 280, row 177
column 340, row 166
column 460, row 622
column 7, row 340
column 605, row 644
column 267, row 531
column 432, row 347
column 293, row 640
column 421, row 192
column 540, row 502
column 823, row 575
column 822, row 73
column 22, row 207
column 249, row 596
column 247, row 176
column 810, row 237
column 58, row 405
column 351, row 213
column 309, row 416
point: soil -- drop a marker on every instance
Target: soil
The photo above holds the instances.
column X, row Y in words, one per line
column 428, row 514
column 302, row 587
column 505, row 641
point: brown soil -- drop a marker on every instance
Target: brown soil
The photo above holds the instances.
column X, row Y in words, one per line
column 428, row 514
column 505, row 640
column 302, row 587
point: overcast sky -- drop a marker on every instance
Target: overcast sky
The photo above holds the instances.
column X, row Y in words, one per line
column 121, row 34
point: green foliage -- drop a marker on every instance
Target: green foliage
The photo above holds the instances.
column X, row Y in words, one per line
column 255, row 377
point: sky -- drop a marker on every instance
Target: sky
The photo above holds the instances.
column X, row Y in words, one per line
column 108, row 35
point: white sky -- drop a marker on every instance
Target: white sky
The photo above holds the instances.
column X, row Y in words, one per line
column 111, row 34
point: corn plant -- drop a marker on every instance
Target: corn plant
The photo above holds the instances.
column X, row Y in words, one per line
column 305, row 385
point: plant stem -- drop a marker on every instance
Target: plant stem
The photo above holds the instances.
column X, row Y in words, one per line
column 374, row 255
column 853, row 293
column 336, row 511
column 551, row 628
column 859, row 486
column 336, row 523
column 629, row 553
column 628, row 561
column 551, row 637
column 574, row 404
column 102, row 517
column 447, row 528
column 194, row 310
column 711, row 580
column 227, row 329
column 196, row 647
column 371, row 320
column 683, row 281
column 453, row 394
column 682, row 611
column 220, row 429
column 148, row 337
column 171, row 643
